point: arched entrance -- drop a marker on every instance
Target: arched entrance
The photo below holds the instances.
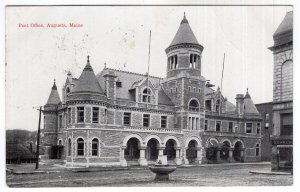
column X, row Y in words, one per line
column 224, row 152
column 212, row 151
column 152, row 150
column 238, row 146
column 132, row 151
column 170, row 149
column 191, row 152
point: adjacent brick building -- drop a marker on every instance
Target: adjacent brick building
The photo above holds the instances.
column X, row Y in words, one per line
column 122, row 118
column 266, row 111
column 282, row 138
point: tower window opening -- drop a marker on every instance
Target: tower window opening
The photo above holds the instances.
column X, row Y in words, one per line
column 193, row 60
column 193, row 106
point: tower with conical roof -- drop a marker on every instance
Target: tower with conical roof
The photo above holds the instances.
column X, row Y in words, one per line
column 50, row 120
column 184, row 83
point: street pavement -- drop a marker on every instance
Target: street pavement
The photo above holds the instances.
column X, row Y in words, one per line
column 209, row 175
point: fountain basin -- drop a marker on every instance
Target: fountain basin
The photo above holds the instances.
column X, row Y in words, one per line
column 162, row 171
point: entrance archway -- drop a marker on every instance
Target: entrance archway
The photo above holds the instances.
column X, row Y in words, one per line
column 224, row 152
column 152, row 150
column 132, row 151
column 170, row 149
column 212, row 150
column 238, row 146
column 191, row 152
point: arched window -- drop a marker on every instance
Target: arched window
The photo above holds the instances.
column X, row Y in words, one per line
column 287, row 80
column 68, row 90
column 146, row 95
column 194, row 106
column 257, row 149
column 95, row 147
column 59, row 142
column 69, row 147
column 80, row 147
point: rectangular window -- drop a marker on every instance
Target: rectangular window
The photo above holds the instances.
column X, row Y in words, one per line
column 175, row 89
column 248, row 127
column 80, row 114
column 146, row 120
column 189, row 88
column 127, row 118
column 205, row 125
column 60, row 121
column 95, row 115
column 69, row 115
column 163, row 121
column 194, row 89
column 230, row 127
column 258, row 128
column 199, row 90
column 218, row 126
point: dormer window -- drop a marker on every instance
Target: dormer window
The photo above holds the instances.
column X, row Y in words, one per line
column 146, row 95
column 218, row 105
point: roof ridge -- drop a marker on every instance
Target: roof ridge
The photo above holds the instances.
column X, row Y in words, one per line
column 134, row 73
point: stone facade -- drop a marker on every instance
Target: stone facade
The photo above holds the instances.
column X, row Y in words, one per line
column 282, row 137
column 120, row 118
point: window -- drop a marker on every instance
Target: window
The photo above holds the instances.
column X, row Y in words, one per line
column 171, row 90
column 286, row 124
column 60, row 121
column 105, row 116
column 230, row 127
column 146, row 95
column 118, row 83
column 218, row 105
column 80, row 147
column 189, row 88
column 193, row 60
column 199, row 90
column 257, row 150
column 95, row 147
column 95, row 115
column 173, row 62
column 146, row 120
column 258, row 128
column 267, row 126
column 80, row 114
column 205, row 125
column 69, row 115
column 194, row 89
column 193, row 106
column 176, row 90
column 163, row 121
column 267, row 116
column 208, row 105
column 126, row 118
column 248, row 127
column 218, row 126
column 69, row 147
column 68, row 90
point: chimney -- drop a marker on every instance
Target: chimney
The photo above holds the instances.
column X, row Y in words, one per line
column 110, row 84
column 240, row 104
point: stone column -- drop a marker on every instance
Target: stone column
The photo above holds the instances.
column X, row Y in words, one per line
column 230, row 158
column 203, row 153
column 218, row 155
column 142, row 160
column 242, row 155
column 161, row 157
column 185, row 159
column 122, row 158
column 178, row 159
column 199, row 155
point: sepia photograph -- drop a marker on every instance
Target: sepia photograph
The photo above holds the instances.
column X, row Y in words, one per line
column 148, row 95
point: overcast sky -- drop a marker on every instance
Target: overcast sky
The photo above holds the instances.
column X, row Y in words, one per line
column 119, row 36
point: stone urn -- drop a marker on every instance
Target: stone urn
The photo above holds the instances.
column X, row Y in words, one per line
column 162, row 171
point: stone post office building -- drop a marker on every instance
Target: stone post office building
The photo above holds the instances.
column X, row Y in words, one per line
column 120, row 118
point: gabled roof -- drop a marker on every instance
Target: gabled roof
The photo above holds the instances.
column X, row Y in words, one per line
column 53, row 97
column 184, row 34
column 286, row 24
column 163, row 98
column 249, row 105
column 87, row 81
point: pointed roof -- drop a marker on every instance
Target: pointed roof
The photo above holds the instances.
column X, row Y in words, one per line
column 184, row 34
column 286, row 24
column 250, row 108
column 87, row 81
column 53, row 97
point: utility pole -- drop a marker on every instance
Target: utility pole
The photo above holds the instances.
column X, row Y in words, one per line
column 38, row 139
column 220, row 104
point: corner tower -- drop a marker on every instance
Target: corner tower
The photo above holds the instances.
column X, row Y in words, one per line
column 184, row 52
column 184, row 83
